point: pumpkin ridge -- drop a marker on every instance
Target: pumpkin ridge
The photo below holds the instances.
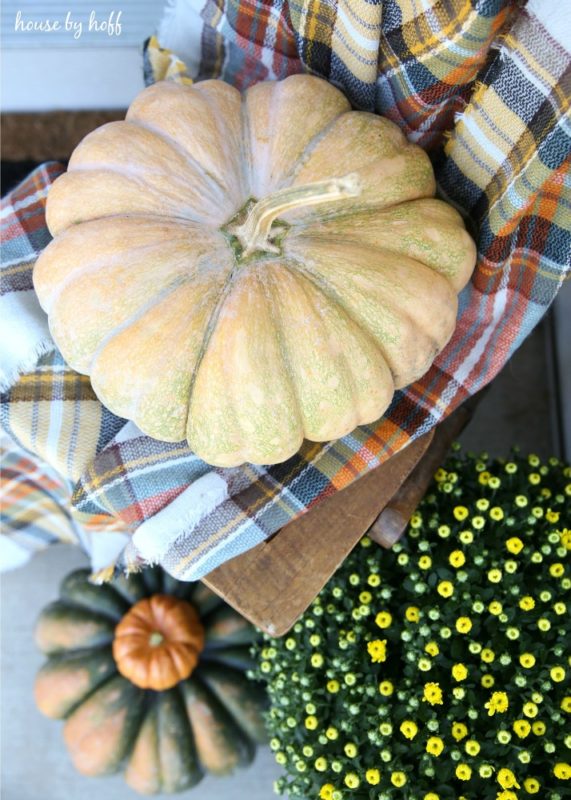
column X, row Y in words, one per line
column 91, row 692
column 133, row 167
column 102, row 262
column 303, row 231
column 231, row 279
column 106, row 617
column 72, row 658
column 243, row 182
column 323, row 240
column 71, row 604
column 338, row 211
column 134, row 177
column 210, row 178
column 239, row 681
column 303, row 157
column 285, row 352
column 168, row 290
column 223, row 713
column 321, row 282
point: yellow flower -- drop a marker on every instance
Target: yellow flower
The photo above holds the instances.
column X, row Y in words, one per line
column 562, row 771
column 432, row 694
column 566, row 705
column 434, row 745
column 530, row 710
column 495, row 608
column 365, row 598
column 496, row 513
column 459, row 672
column 311, row 723
column 459, row 731
column 565, row 535
column 374, row 580
column 440, row 475
column 317, row 660
column 398, row 778
column 326, row 791
column 461, row 512
column 494, row 575
column 472, row 747
column 350, row 750
column 386, row 688
column 552, row 516
column 352, row 780
column 506, row 794
column 498, row 703
column 521, row 728
column 514, row 545
column 320, row 764
column 463, row 772
column 531, row 785
column 409, row 729
column 487, row 655
column 431, row 796
column 445, row 588
column 507, row 779
column 559, row 608
column 425, row 562
column 527, row 603
column 377, row 649
column 538, row 728
column 333, row 686
column 332, row 733
column 383, row 619
column 527, row 660
column 372, row 776
column 457, row 558
column 556, row 570
column 432, row 649
column 557, row 674
column 484, row 477
column 412, row 614
column 463, row 624
column 487, row 681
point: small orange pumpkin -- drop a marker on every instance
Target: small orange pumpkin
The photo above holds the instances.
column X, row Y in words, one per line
column 158, row 642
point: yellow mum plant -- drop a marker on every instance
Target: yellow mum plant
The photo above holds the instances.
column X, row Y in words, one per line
column 444, row 667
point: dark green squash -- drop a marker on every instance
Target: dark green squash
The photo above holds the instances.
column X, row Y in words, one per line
column 165, row 741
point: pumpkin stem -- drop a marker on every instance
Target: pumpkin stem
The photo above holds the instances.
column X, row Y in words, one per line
column 254, row 233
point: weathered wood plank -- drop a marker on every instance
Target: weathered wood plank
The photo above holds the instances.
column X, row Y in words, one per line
column 273, row 584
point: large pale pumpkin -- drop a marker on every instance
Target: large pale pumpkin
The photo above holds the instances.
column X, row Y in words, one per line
column 248, row 270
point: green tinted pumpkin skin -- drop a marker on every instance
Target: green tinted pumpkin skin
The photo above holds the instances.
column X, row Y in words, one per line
column 246, row 271
column 164, row 741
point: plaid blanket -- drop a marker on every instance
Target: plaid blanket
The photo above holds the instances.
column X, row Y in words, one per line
column 489, row 80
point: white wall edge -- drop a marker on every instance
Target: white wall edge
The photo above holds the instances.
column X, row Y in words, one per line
column 55, row 79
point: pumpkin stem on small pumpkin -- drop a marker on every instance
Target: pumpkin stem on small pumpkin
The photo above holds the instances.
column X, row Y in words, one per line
column 254, row 233
column 156, row 638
